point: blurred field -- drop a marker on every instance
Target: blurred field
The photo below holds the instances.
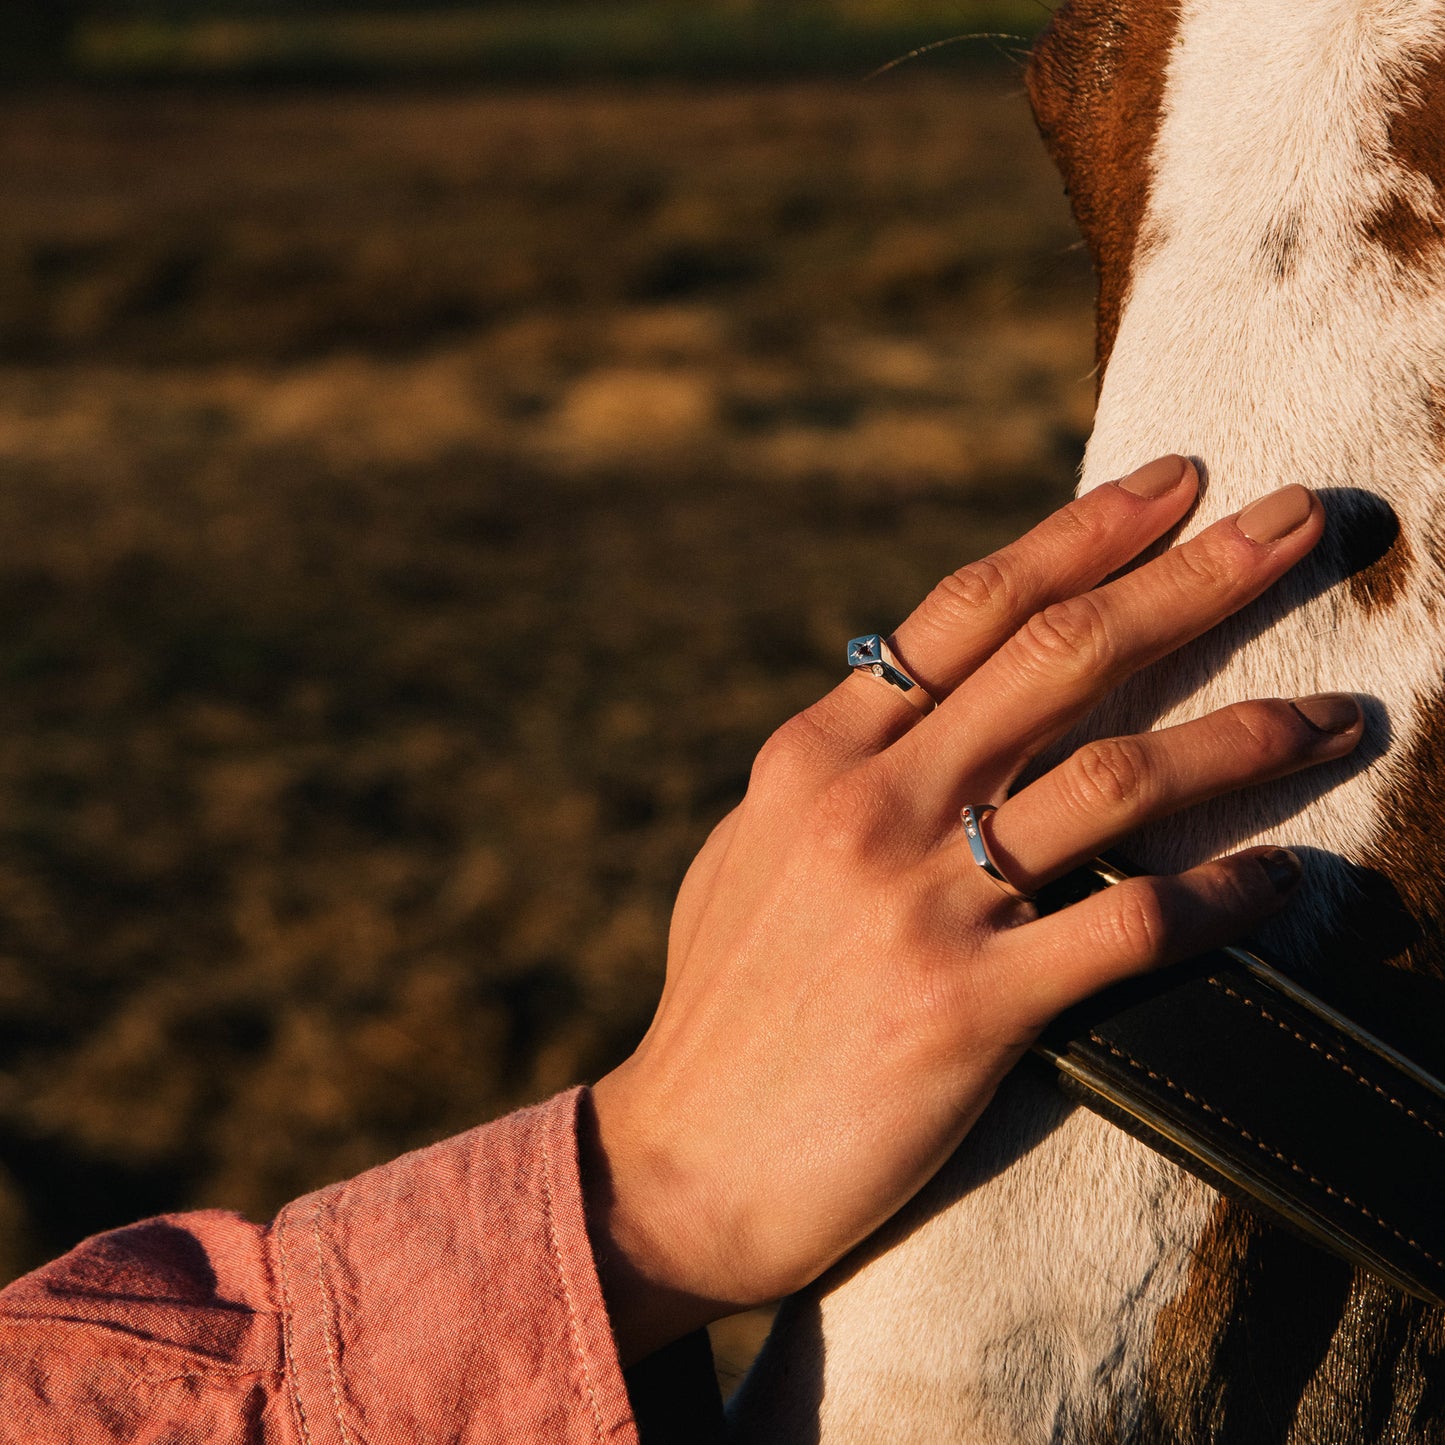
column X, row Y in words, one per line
column 588, row 39
column 414, row 512
column 504, row 40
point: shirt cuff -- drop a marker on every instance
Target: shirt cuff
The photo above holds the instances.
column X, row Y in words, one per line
column 451, row 1296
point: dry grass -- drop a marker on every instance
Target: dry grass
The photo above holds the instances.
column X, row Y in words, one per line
column 542, row 40
column 414, row 512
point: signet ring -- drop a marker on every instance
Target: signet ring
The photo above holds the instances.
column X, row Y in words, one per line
column 873, row 657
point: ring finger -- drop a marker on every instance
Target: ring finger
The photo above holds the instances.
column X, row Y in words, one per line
column 1109, row 789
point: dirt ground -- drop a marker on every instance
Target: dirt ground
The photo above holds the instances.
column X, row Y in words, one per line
column 414, row 512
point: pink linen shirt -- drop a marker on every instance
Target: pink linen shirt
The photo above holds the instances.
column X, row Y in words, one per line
column 449, row 1296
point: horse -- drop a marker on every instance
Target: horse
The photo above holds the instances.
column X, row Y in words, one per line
column 1262, row 189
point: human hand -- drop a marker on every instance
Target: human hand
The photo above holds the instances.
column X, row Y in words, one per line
column 845, row 988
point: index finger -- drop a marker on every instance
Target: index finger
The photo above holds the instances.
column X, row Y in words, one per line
column 1068, row 657
column 971, row 613
column 974, row 611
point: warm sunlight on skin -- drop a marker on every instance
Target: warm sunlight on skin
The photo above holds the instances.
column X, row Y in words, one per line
column 845, row 988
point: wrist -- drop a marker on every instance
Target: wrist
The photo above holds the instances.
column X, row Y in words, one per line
column 647, row 1241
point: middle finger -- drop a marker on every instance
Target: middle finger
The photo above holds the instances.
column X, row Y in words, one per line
column 1068, row 657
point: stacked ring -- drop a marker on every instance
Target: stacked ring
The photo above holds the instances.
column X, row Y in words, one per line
column 973, row 816
column 872, row 657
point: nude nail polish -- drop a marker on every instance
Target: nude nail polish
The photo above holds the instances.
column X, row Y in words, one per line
column 1283, row 868
column 1330, row 712
column 1274, row 517
column 1156, row 478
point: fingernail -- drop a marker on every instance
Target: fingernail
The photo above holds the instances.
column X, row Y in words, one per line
column 1283, row 867
column 1276, row 515
column 1157, row 478
column 1330, row 712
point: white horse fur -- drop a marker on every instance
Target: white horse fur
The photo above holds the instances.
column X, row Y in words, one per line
column 1017, row 1300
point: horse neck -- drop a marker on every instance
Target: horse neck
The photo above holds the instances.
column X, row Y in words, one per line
column 1259, row 186
column 1283, row 321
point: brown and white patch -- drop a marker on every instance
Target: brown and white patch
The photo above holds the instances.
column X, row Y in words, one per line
column 1261, row 186
column 1410, row 223
column 1282, row 333
column 1096, row 80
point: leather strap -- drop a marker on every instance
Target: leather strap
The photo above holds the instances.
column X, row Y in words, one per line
column 1230, row 1068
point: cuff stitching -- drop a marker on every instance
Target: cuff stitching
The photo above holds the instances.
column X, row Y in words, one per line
column 573, row 1326
column 292, row 1368
column 328, row 1322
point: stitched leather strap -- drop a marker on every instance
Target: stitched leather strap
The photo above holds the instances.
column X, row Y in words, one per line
column 1231, row 1069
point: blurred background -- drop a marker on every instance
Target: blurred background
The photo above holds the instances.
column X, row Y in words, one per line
column 437, row 446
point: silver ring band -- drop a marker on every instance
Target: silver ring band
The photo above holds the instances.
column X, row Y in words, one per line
column 973, row 816
column 873, row 657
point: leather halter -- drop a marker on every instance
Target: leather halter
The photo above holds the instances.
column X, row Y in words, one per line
column 1249, row 1081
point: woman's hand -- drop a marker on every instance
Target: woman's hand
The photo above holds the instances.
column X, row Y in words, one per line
column 845, row 988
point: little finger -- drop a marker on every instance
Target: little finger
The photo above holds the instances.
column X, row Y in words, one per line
column 1053, row 963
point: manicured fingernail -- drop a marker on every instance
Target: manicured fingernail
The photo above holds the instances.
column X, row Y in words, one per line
column 1276, row 515
column 1283, row 867
column 1330, row 712
column 1157, row 478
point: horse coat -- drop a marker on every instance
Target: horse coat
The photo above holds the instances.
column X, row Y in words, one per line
column 1262, row 187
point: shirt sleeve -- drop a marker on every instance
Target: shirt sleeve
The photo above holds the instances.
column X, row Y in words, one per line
column 449, row 1296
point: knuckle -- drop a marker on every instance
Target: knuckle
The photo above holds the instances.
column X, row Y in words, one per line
column 1115, row 772
column 1135, row 927
column 1262, row 732
column 1069, row 637
column 849, row 814
column 988, row 585
column 1082, row 525
column 1200, row 567
column 787, row 757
